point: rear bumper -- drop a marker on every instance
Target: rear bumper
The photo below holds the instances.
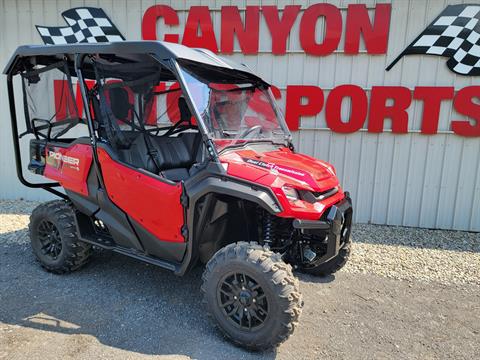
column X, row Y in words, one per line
column 336, row 226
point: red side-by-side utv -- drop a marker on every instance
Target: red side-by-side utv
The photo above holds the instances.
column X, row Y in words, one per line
column 176, row 157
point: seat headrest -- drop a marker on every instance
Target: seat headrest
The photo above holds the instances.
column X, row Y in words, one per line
column 120, row 103
column 185, row 114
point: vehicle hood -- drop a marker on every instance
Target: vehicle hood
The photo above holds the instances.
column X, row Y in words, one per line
column 279, row 167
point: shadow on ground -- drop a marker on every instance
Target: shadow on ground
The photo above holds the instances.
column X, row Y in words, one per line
column 122, row 302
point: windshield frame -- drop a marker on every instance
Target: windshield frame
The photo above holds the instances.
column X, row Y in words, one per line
column 287, row 138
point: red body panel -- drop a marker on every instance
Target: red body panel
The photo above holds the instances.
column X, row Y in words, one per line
column 69, row 166
column 156, row 205
column 277, row 168
column 152, row 203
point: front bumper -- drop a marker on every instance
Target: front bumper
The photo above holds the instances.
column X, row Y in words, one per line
column 337, row 227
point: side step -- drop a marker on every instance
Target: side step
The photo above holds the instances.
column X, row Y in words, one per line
column 88, row 234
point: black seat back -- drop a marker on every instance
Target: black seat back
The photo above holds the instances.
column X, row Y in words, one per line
column 171, row 152
column 120, row 103
column 136, row 154
column 185, row 114
column 175, row 152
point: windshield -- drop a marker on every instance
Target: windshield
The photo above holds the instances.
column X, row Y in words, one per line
column 235, row 107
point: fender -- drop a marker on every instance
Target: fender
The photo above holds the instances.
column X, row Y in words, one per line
column 235, row 188
column 212, row 180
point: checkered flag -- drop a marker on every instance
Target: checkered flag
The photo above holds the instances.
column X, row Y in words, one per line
column 86, row 25
column 455, row 33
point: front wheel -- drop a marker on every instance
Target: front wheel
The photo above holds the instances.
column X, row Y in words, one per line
column 252, row 295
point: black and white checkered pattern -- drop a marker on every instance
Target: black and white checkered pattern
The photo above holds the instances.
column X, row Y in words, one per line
column 455, row 33
column 86, row 25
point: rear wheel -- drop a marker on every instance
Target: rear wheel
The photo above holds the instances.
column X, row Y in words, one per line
column 54, row 240
column 252, row 295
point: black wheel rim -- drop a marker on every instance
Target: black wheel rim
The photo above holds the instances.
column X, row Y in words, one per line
column 243, row 301
column 50, row 240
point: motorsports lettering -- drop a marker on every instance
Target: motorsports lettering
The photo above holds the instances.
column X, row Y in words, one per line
column 454, row 34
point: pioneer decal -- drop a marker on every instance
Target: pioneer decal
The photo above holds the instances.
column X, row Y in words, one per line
column 61, row 159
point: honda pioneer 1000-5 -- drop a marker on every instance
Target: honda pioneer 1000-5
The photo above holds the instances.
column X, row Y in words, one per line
column 176, row 157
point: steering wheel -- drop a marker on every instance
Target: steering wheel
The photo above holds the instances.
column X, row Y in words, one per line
column 249, row 131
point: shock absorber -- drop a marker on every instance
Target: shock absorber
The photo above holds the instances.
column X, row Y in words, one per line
column 268, row 227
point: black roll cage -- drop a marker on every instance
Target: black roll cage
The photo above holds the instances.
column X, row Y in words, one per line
column 16, row 146
column 74, row 55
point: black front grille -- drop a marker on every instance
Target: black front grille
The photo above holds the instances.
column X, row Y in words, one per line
column 325, row 194
column 313, row 197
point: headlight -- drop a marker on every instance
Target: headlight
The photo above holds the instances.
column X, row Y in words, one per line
column 290, row 193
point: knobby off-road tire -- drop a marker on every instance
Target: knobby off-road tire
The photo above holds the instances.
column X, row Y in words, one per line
column 332, row 265
column 274, row 297
column 54, row 239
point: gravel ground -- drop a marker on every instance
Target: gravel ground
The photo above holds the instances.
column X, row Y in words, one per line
column 405, row 293
column 446, row 257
